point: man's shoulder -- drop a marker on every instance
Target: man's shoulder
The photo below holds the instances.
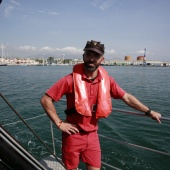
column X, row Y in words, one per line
column 69, row 78
column 111, row 79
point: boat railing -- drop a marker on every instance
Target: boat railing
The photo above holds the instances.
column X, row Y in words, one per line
column 32, row 131
column 100, row 135
column 15, row 155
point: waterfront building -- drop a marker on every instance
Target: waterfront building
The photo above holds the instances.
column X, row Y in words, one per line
column 115, row 62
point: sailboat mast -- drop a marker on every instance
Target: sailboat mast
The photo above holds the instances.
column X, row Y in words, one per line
column 2, row 51
column 144, row 57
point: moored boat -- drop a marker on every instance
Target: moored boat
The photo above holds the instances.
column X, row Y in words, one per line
column 3, row 64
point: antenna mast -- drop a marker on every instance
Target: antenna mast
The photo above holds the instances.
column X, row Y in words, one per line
column 144, row 57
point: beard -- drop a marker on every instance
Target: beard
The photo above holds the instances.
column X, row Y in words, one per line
column 91, row 66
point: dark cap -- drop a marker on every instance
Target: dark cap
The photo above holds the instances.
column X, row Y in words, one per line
column 94, row 46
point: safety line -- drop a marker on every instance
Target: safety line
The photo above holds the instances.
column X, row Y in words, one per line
column 24, row 119
column 139, row 114
column 138, row 146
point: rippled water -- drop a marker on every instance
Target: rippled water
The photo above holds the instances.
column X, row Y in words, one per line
column 24, row 86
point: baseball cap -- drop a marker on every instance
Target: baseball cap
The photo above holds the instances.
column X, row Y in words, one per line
column 95, row 46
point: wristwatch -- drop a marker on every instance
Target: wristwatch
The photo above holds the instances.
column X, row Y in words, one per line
column 148, row 112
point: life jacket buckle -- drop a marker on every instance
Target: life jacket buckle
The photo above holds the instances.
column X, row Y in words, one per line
column 94, row 108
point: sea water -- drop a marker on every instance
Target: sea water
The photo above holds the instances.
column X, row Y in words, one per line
column 23, row 86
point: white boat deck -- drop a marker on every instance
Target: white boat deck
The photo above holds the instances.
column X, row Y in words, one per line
column 50, row 163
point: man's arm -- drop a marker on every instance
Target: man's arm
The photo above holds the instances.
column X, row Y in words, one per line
column 136, row 104
column 47, row 103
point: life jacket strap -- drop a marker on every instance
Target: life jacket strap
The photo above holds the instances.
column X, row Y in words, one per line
column 69, row 112
column 73, row 110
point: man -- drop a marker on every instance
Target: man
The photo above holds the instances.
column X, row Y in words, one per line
column 88, row 91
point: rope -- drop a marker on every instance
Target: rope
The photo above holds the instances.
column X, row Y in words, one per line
column 139, row 114
column 130, row 144
column 138, row 146
column 25, row 119
column 110, row 166
column 52, row 135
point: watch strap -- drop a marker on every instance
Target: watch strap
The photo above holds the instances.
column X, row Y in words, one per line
column 148, row 112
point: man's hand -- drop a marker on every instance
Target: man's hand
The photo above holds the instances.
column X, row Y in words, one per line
column 68, row 128
column 156, row 116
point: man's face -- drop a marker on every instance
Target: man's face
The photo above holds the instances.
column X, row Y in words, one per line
column 92, row 60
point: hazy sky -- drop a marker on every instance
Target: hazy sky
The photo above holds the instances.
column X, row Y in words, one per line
column 43, row 28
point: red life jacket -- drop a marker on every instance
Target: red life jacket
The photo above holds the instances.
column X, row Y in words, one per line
column 104, row 103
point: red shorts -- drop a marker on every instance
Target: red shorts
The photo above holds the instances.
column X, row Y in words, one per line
column 84, row 146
